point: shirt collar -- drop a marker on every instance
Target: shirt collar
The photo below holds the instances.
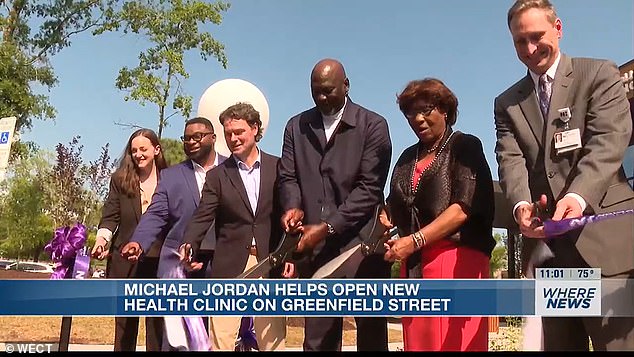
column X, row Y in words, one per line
column 243, row 166
column 338, row 115
column 199, row 167
column 550, row 72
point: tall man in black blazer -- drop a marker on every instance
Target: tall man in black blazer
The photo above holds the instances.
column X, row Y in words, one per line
column 583, row 100
column 241, row 197
column 334, row 166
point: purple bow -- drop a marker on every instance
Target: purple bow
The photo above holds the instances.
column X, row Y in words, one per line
column 556, row 228
column 63, row 248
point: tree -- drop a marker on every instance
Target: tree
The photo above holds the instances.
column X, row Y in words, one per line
column 173, row 28
column 24, row 225
column 499, row 259
column 172, row 151
column 32, row 32
column 76, row 191
column 43, row 192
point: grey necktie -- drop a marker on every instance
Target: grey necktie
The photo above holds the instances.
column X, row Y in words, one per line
column 545, row 90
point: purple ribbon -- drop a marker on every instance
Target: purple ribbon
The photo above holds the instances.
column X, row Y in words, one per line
column 197, row 337
column 82, row 265
column 246, row 336
column 557, row 228
column 63, row 248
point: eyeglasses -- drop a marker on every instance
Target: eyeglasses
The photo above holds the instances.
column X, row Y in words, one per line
column 197, row 137
column 425, row 111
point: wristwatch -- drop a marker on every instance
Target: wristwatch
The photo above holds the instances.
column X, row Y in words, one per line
column 331, row 229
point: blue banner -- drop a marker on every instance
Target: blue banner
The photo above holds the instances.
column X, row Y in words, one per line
column 273, row 297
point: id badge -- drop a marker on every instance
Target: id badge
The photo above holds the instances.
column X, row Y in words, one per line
column 567, row 140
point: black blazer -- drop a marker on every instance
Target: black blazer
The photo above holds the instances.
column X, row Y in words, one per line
column 339, row 182
column 121, row 214
column 224, row 198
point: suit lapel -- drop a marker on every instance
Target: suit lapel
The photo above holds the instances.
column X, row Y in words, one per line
column 316, row 125
column 235, row 179
column 530, row 107
column 190, row 179
column 267, row 181
column 559, row 99
column 136, row 206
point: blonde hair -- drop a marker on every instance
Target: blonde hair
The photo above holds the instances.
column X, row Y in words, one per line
column 522, row 5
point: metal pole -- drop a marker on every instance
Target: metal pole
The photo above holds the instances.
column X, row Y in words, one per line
column 64, row 333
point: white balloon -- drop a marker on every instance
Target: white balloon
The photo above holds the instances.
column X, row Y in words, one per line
column 225, row 93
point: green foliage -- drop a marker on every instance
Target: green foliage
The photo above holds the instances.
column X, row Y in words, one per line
column 396, row 269
column 24, row 225
column 499, row 257
column 32, row 32
column 174, row 27
column 172, row 151
column 43, row 192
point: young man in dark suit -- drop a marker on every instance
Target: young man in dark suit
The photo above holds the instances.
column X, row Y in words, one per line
column 243, row 188
column 334, row 166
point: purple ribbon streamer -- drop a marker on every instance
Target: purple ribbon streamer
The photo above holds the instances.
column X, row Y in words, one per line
column 557, row 228
column 82, row 265
column 197, row 337
column 246, row 336
column 63, row 248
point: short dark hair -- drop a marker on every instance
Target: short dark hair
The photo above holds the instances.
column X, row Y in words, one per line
column 246, row 112
column 432, row 91
column 200, row 120
column 522, row 5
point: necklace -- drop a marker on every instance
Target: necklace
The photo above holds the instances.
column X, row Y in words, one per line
column 444, row 143
column 433, row 148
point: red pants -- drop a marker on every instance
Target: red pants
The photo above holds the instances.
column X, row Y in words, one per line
column 446, row 260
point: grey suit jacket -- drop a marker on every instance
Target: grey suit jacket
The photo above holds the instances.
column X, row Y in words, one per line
column 529, row 165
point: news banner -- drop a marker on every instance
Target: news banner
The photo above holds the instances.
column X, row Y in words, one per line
column 554, row 292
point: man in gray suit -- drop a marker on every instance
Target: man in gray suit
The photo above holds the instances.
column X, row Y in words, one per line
column 562, row 131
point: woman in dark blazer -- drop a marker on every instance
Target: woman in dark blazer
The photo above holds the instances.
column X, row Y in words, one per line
column 131, row 188
column 441, row 200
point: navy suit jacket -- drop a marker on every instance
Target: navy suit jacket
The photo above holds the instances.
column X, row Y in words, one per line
column 173, row 204
column 340, row 181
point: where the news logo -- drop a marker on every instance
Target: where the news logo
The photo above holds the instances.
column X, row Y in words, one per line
column 30, row 347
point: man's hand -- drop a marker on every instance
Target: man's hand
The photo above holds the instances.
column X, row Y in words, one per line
column 292, row 220
column 567, row 207
column 289, row 270
column 399, row 249
column 99, row 251
column 131, row 251
column 386, row 222
column 527, row 217
column 186, row 259
column 312, row 235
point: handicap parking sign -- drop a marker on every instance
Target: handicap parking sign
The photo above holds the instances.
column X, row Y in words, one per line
column 4, row 137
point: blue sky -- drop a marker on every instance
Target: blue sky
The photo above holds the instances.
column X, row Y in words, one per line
column 382, row 44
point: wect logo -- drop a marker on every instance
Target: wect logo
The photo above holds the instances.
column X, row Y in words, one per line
column 29, row 347
column 568, row 298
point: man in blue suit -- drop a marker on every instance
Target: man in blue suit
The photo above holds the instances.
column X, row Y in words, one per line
column 177, row 196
